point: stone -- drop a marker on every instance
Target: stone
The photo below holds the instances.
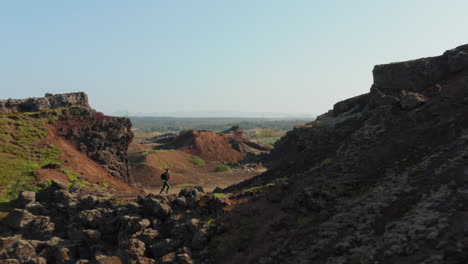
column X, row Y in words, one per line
column 413, row 76
column 152, row 206
column 41, row 225
column 103, row 259
column 432, row 235
column 193, row 224
column 45, row 103
column 21, row 250
column 218, row 190
column 91, row 235
column 88, row 201
column 9, row 261
column 410, row 100
column 200, row 239
column 148, row 235
column 25, row 198
column 184, row 256
column 91, row 218
column 169, row 258
column 19, row 218
column 180, row 202
column 163, row 247
column 457, row 61
column 134, row 246
column 356, row 104
column 37, row 209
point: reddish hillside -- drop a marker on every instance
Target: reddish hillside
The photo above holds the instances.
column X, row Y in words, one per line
column 78, row 163
column 61, row 137
column 228, row 146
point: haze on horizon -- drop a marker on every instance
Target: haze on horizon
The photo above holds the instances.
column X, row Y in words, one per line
column 265, row 56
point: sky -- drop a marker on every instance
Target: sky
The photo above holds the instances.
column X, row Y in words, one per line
column 184, row 56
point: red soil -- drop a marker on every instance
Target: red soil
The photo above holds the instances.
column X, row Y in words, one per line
column 147, row 168
column 79, row 163
column 208, row 145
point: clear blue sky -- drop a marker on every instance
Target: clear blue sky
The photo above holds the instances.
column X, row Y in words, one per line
column 295, row 56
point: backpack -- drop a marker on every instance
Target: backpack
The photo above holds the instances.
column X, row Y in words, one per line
column 165, row 176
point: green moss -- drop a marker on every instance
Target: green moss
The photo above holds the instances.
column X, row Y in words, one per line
column 321, row 164
column 105, row 184
column 258, row 188
column 223, row 168
column 157, row 151
column 164, row 164
column 219, row 195
column 197, row 161
column 280, row 180
column 77, row 179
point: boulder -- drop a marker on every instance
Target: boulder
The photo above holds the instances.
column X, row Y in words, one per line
column 91, row 218
column 148, row 235
column 193, row 224
column 164, row 247
column 200, row 239
column 413, row 76
column 37, row 209
column 21, row 250
column 410, row 100
column 40, row 226
column 169, row 258
column 133, row 224
column 91, row 236
column 184, row 256
column 50, row 101
column 356, row 103
column 19, row 218
column 133, row 247
column 25, row 198
column 88, row 201
column 458, row 58
column 103, row 259
column 218, row 190
column 151, row 206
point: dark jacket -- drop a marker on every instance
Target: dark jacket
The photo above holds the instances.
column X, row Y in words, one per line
column 165, row 176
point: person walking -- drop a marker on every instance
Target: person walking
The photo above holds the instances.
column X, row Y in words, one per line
column 165, row 177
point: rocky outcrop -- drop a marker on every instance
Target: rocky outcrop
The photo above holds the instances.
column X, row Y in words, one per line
column 417, row 75
column 104, row 139
column 379, row 179
column 77, row 227
column 50, row 101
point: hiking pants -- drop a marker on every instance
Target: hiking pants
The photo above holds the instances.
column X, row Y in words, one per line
column 165, row 184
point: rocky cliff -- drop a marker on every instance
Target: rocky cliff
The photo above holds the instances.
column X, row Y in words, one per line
column 104, row 139
column 50, row 101
column 381, row 178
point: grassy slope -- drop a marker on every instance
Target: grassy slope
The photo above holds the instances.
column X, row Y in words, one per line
column 20, row 153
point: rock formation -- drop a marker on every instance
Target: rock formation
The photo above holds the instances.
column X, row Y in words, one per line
column 50, row 101
column 104, row 139
column 381, row 178
column 72, row 225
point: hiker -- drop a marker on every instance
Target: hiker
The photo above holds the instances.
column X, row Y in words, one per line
column 165, row 178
